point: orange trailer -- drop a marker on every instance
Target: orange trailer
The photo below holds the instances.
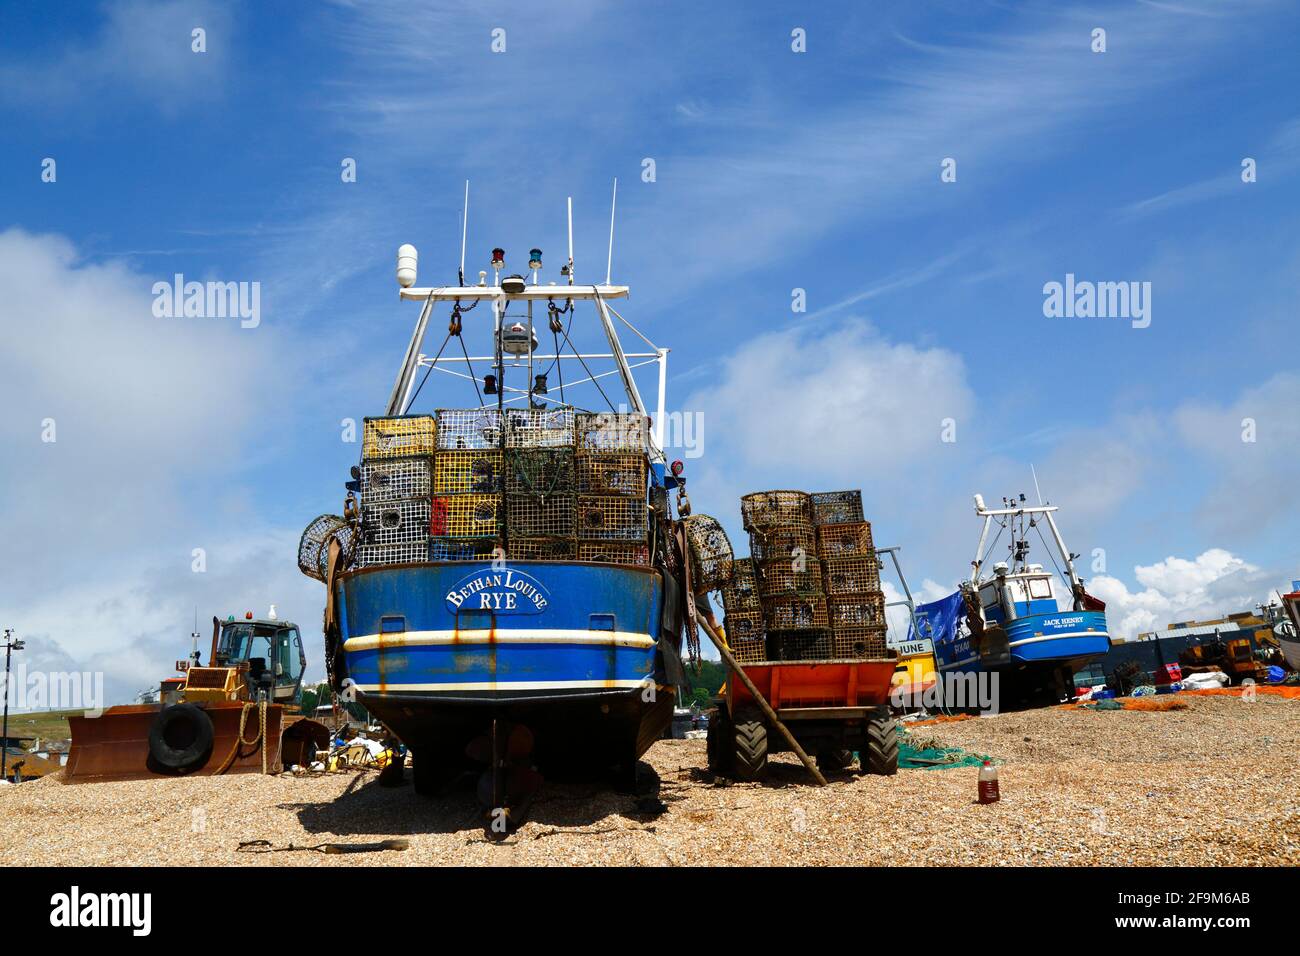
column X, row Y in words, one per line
column 832, row 708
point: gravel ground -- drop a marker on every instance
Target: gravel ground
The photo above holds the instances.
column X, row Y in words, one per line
column 1218, row 783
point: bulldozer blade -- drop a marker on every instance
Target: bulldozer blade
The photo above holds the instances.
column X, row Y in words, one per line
column 115, row 745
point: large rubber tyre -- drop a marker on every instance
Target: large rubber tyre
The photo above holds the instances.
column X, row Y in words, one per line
column 180, row 737
column 717, row 742
column 834, row 761
column 880, row 755
column 749, row 748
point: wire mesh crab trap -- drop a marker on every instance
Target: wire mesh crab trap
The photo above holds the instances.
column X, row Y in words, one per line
column 313, row 546
column 857, row 610
column 836, row 507
column 541, row 549
column 398, row 436
column 612, row 518
column 614, row 552
column 469, row 428
column 711, row 554
column 467, row 471
column 852, row 575
column 783, row 577
column 764, row 510
column 613, row 474
column 783, row 544
column 539, row 428
column 748, row 651
column 796, row 613
column 539, row 471
column 373, row 555
column 395, row 522
column 807, row 644
column 464, row 549
column 740, row 594
column 539, row 516
column 613, row 432
column 465, row 516
column 396, row 478
column 845, row 540
column 859, row 642
column 743, row 626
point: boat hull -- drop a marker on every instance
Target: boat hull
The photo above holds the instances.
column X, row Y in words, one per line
column 1033, row 656
column 585, row 655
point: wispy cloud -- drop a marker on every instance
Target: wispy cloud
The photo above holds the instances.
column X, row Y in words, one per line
column 142, row 50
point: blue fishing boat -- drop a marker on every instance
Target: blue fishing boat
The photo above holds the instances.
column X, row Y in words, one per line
column 539, row 628
column 1007, row 618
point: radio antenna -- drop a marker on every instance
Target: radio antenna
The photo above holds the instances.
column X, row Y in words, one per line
column 570, row 240
column 609, row 262
column 464, row 229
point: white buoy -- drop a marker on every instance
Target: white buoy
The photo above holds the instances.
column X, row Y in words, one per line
column 407, row 259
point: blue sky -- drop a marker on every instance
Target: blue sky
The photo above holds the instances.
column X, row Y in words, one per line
column 774, row 170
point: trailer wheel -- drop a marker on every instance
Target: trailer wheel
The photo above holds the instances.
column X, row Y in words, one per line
column 716, row 742
column 834, row 761
column 749, row 750
column 181, row 737
column 880, row 755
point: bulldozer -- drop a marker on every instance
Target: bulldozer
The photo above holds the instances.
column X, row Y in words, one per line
column 240, row 713
column 1235, row 657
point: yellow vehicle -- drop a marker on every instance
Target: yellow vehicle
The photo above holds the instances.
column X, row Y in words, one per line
column 239, row 714
column 914, row 674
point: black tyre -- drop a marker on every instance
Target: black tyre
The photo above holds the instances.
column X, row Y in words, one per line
column 749, row 748
column 834, row 761
column 180, row 737
column 717, row 741
column 880, row 755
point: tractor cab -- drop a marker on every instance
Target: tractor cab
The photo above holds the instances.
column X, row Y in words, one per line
column 264, row 653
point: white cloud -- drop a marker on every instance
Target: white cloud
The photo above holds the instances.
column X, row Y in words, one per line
column 151, row 419
column 143, row 47
column 832, row 402
column 1210, row 585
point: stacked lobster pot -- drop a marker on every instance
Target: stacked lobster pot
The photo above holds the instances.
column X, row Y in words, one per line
column 468, row 506
column 746, row 632
column 611, row 471
column 547, row 484
column 541, row 502
column 851, row 574
column 783, row 543
column 395, row 482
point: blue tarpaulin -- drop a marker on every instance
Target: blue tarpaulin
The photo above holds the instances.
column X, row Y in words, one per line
column 939, row 619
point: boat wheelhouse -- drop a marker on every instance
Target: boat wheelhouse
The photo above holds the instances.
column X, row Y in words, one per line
column 1016, row 624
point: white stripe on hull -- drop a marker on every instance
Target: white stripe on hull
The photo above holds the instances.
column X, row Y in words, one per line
column 484, row 636
column 508, row 685
column 1057, row 637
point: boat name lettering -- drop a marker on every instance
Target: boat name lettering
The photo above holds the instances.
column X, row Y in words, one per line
column 507, row 592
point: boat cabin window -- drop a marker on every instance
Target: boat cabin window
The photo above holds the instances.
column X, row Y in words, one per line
column 1040, row 588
